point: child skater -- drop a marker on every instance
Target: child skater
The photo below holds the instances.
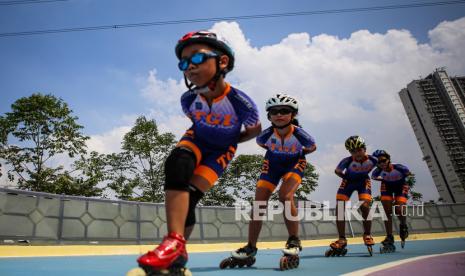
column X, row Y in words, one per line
column 354, row 171
column 394, row 188
column 218, row 111
column 286, row 145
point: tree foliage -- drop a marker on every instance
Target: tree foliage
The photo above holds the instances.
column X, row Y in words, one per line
column 39, row 128
column 137, row 173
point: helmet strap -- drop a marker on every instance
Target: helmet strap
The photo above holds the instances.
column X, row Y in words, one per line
column 209, row 85
column 284, row 126
column 281, row 127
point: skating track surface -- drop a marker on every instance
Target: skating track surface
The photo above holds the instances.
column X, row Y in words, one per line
column 447, row 250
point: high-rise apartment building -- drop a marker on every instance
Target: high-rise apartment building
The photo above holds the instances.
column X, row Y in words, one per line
column 435, row 107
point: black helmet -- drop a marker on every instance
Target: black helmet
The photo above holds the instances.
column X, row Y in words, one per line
column 208, row 38
column 378, row 153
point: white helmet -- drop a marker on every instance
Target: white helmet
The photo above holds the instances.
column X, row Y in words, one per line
column 282, row 100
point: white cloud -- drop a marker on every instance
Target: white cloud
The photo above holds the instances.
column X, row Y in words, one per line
column 163, row 94
column 448, row 38
column 4, row 181
column 345, row 86
column 108, row 142
column 348, row 86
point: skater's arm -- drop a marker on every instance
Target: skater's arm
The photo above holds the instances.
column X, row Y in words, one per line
column 341, row 167
column 376, row 175
column 340, row 173
column 250, row 133
column 306, row 140
column 310, row 149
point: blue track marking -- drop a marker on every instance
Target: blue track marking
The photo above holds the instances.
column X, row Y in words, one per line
column 312, row 261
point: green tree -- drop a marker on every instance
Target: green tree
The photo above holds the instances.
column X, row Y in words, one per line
column 137, row 173
column 89, row 173
column 37, row 129
column 122, row 175
column 415, row 196
column 239, row 181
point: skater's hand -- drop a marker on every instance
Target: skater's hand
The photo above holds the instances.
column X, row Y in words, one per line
column 309, row 150
column 250, row 132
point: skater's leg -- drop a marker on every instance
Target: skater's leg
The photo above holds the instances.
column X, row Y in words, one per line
column 290, row 259
column 364, row 194
column 179, row 168
column 340, row 218
column 181, row 203
column 387, row 206
column 401, row 202
column 199, row 186
column 255, row 226
column 338, row 247
column 365, row 208
column 177, row 205
column 245, row 256
column 343, row 195
column 401, row 197
column 188, row 231
column 171, row 252
column 400, row 212
column 286, row 197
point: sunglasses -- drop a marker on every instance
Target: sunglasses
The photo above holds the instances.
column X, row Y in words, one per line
column 282, row 111
column 356, row 150
column 196, row 59
column 382, row 160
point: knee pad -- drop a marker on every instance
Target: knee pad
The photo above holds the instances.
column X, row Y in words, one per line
column 195, row 195
column 179, row 168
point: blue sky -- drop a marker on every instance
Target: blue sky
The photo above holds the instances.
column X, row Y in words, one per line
column 102, row 75
column 94, row 71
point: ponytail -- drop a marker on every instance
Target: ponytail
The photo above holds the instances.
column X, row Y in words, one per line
column 295, row 122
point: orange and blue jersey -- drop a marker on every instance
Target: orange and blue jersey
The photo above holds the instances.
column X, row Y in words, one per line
column 284, row 157
column 215, row 129
column 218, row 126
column 356, row 177
column 393, row 182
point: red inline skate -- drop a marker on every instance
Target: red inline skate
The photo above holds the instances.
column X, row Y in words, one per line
column 168, row 259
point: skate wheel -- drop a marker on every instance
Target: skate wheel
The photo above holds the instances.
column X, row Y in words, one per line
column 283, row 263
column 344, row 252
column 250, row 262
column 241, row 265
column 402, row 244
column 225, row 263
column 370, row 250
column 328, row 253
column 295, row 262
column 136, row 272
column 187, row 272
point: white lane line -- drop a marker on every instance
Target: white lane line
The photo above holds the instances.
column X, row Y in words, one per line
column 369, row 270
